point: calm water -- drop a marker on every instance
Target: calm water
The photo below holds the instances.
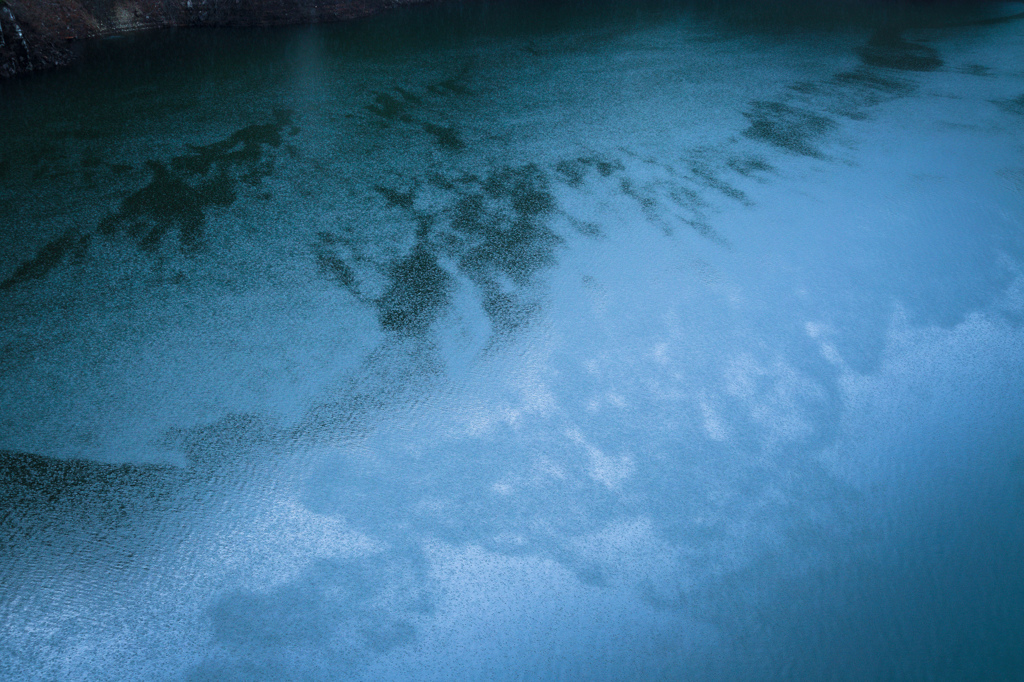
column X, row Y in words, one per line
column 519, row 341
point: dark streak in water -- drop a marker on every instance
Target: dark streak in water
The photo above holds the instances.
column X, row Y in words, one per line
column 390, row 108
column 708, row 178
column 749, row 165
column 446, row 137
column 450, row 86
column 516, row 245
column 177, row 197
column 396, row 198
column 80, row 501
column 493, row 230
column 888, row 49
column 51, row 479
column 330, row 263
column 868, row 78
column 420, row 289
column 574, row 171
column 1014, row 106
column 48, row 258
column 169, row 201
column 795, row 130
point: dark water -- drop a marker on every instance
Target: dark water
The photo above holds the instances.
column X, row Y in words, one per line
column 519, row 341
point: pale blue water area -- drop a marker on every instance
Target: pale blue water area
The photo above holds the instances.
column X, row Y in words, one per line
column 517, row 341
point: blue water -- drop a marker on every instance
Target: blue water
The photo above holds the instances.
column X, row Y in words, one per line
column 519, row 341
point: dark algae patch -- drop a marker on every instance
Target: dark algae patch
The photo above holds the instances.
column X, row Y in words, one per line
column 750, row 165
column 77, row 499
column 176, row 199
column 1014, row 106
column 872, row 79
column 389, row 108
column 515, row 243
column 420, row 289
column 799, row 123
column 574, row 171
column 780, row 125
column 48, row 258
column 330, row 262
column 181, row 191
column 25, row 475
column 396, row 198
column 494, row 231
column 888, row 49
column 166, row 203
column 446, row 137
column 403, row 106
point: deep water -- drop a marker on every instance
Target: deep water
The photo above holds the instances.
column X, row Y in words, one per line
column 519, row 341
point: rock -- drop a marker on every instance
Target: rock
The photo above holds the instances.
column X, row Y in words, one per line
column 39, row 34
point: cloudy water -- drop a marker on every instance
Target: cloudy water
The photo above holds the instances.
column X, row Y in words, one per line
column 519, row 341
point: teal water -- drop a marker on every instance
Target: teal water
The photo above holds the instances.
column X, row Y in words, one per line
column 519, row 341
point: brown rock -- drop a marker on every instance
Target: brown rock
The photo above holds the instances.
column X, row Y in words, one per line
column 39, row 34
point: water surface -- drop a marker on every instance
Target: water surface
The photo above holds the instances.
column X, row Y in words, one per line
column 519, row 341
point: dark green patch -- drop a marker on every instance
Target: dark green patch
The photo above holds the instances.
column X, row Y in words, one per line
column 704, row 230
column 420, row 289
column 852, row 114
column 48, row 258
column 786, row 127
column 805, row 88
column 976, row 70
column 749, row 165
column 389, row 107
column 888, row 49
column 91, row 160
column 869, row 78
column 435, row 179
column 686, row 197
column 526, row 187
column 646, row 203
column 449, row 86
column 606, row 168
column 709, row 179
column 408, row 96
column 181, row 191
column 504, row 226
column 27, row 478
column 169, row 202
column 331, row 264
column 495, row 231
column 395, row 198
column 588, row 228
column 244, row 148
column 446, row 137
column 176, row 198
column 505, row 310
column 573, row 171
column 1014, row 106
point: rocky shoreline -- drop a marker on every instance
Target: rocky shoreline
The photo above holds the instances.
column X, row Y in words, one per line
column 36, row 35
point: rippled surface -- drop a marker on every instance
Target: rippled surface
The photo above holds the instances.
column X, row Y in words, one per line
column 519, row 342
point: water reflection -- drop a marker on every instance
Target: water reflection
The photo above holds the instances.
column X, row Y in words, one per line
column 613, row 307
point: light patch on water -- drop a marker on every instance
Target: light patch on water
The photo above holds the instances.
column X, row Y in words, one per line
column 609, row 470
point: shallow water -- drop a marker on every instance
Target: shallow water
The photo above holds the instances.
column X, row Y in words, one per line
column 519, row 341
